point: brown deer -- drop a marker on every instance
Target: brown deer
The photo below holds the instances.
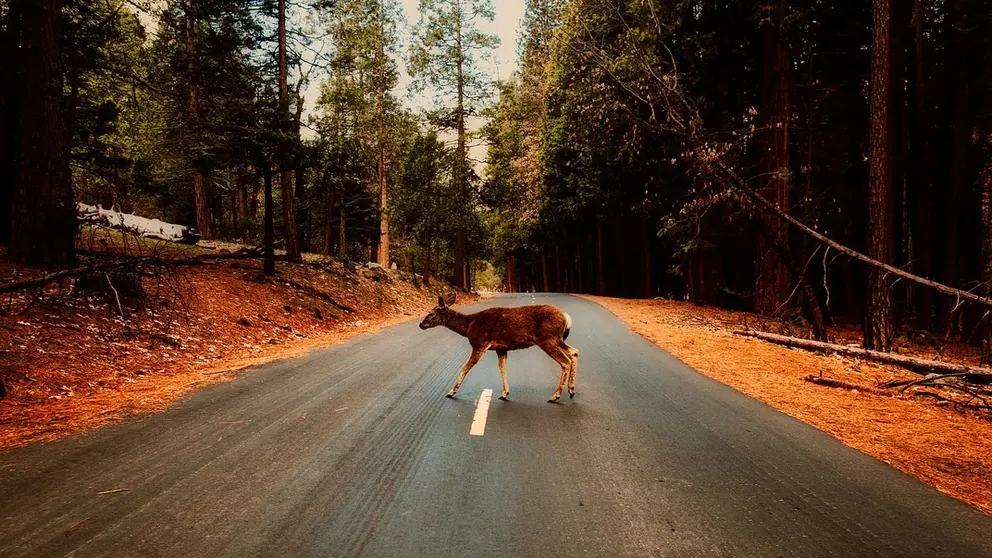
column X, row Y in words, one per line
column 509, row 329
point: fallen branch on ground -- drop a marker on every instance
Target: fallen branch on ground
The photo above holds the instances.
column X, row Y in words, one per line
column 104, row 267
column 918, row 365
column 318, row 293
column 830, row 382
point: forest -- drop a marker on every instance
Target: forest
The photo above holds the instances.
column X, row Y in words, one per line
column 814, row 162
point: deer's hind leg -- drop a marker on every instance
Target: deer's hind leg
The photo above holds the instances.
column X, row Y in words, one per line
column 501, row 356
column 564, row 360
column 477, row 353
column 573, row 353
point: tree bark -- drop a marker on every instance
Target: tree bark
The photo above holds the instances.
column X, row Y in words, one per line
column 510, row 274
column 600, row 271
column 200, row 200
column 771, row 283
column 648, row 284
column 461, row 162
column 269, row 263
column 920, row 193
column 985, row 180
column 578, row 266
column 241, row 218
column 878, row 330
column 958, row 97
column 285, row 177
column 9, row 102
column 303, row 213
column 342, row 238
column 328, row 223
column 383, row 253
column 44, row 227
column 544, row 270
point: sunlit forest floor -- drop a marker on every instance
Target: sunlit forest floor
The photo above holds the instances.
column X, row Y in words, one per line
column 927, row 439
column 76, row 360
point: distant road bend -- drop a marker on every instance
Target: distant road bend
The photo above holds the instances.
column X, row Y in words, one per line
column 353, row 450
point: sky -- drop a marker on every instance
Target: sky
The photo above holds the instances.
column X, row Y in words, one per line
column 506, row 25
column 509, row 14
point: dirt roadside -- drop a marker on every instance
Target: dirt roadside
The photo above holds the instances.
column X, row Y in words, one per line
column 79, row 364
column 947, row 449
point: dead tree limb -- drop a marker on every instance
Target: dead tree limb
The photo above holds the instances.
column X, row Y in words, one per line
column 918, row 365
column 830, row 382
column 118, row 263
column 740, row 186
column 317, row 293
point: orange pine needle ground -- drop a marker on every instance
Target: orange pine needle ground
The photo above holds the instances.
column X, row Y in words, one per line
column 70, row 367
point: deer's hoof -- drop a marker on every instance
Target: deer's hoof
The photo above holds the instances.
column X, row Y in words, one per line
column 571, row 395
column 553, row 400
column 449, row 395
column 504, row 398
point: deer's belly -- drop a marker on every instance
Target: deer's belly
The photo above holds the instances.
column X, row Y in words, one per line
column 509, row 346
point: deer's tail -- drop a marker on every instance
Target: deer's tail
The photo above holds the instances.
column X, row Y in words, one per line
column 568, row 326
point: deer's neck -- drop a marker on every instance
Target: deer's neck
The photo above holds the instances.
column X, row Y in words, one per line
column 458, row 322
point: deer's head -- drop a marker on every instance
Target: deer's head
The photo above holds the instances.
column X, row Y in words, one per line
column 439, row 313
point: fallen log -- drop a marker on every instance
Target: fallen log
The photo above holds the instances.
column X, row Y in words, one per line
column 917, row 365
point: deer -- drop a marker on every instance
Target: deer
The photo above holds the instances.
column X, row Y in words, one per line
column 509, row 329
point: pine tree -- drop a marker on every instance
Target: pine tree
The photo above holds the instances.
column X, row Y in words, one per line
column 44, row 211
column 445, row 57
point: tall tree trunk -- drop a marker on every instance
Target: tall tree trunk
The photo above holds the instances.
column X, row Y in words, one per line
column 201, row 199
column 285, row 177
column 328, row 223
column 461, row 159
column 920, row 195
column 957, row 26
column 342, row 238
column 878, row 331
column 303, row 213
column 256, row 189
column 600, row 271
column 559, row 285
column 9, row 101
column 510, row 274
column 544, row 270
column 700, row 287
column 241, row 219
column 771, row 277
column 383, row 253
column 44, row 210
column 648, row 284
column 269, row 263
column 578, row 265
column 985, row 182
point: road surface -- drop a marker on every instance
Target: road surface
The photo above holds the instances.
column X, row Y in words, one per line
column 353, row 450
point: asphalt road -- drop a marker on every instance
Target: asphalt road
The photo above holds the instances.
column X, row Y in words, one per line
column 353, row 450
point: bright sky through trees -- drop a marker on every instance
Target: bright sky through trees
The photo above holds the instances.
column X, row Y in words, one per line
column 506, row 25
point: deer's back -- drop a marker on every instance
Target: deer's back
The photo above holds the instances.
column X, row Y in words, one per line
column 516, row 328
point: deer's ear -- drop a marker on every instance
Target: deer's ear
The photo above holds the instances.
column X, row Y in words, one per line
column 440, row 301
column 449, row 298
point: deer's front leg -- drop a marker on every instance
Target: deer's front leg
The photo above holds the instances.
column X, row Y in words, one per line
column 501, row 355
column 477, row 353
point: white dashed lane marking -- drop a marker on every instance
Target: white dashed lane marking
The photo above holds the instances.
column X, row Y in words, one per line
column 481, row 412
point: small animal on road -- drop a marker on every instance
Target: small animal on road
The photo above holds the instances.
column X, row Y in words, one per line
column 508, row 329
